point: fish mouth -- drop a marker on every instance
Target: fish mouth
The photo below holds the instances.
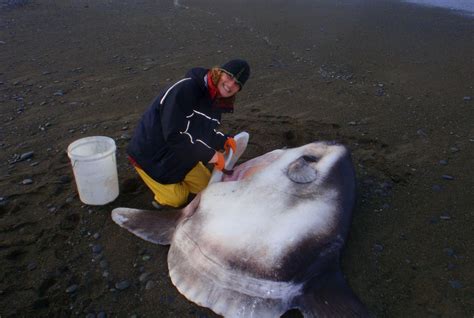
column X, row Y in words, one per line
column 251, row 167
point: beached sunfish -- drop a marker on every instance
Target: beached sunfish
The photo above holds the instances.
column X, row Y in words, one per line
column 266, row 239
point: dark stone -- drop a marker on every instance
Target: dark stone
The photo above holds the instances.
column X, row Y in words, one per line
column 455, row 284
column 72, row 289
column 122, row 285
column 64, row 179
column 96, row 248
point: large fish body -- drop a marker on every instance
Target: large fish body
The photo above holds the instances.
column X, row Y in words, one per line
column 266, row 239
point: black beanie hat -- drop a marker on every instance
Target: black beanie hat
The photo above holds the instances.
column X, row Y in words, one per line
column 239, row 69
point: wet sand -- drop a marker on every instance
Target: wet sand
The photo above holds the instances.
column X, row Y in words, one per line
column 392, row 81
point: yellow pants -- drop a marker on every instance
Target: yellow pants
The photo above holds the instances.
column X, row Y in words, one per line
column 176, row 194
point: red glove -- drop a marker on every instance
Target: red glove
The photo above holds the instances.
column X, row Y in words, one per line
column 218, row 161
column 230, row 144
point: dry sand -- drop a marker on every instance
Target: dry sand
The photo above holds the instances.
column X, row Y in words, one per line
column 394, row 82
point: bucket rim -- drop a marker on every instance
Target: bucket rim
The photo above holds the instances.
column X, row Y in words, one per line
column 85, row 140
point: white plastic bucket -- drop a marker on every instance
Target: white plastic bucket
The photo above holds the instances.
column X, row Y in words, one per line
column 95, row 169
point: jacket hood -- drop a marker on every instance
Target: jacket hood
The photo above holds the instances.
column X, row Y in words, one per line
column 197, row 74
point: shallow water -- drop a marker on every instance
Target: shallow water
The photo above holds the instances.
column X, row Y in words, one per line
column 464, row 6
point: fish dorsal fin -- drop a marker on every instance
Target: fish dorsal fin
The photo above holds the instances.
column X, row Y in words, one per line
column 330, row 296
column 153, row 226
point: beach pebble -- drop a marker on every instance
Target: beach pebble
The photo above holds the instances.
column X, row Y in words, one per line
column 64, row 179
column 27, row 181
column 122, row 285
column 447, row 177
column 103, row 264
column 26, row 155
column 32, row 266
column 96, row 248
column 379, row 91
column 149, row 285
column 445, row 216
column 101, row 314
column 143, row 277
column 455, row 284
column 72, row 289
column 59, row 93
column 125, row 137
column 378, row 247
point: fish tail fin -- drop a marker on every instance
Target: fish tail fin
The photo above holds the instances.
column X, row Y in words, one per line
column 330, row 297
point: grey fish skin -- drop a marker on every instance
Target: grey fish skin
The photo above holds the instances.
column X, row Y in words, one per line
column 267, row 239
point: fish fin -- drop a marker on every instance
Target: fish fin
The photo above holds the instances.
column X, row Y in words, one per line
column 329, row 295
column 153, row 226
column 231, row 158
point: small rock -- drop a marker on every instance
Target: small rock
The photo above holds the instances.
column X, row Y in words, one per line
column 455, row 284
column 96, row 248
column 72, row 289
column 90, row 315
column 378, row 247
column 101, row 314
column 467, row 98
column 26, row 155
column 96, row 236
column 27, row 181
column 122, row 285
column 32, row 266
column 379, row 91
column 445, row 217
column 125, row 137
column 422, row 133
column 149, row 285
column 454, row 149
column 64, row 179
column 143, row 277
column 59, row 93
column 103, row 264
column 447, row 177
column 146, row 257
column 443, row 162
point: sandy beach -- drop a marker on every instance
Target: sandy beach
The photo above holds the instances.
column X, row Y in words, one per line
column 392, row 81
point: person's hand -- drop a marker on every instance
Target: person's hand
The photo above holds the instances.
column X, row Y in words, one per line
column 230, row 144
column 218, row 161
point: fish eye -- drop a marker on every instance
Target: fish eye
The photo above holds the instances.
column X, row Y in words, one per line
column 309, row 158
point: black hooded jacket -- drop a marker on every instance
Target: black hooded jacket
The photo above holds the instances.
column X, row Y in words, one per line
column 178, row 130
